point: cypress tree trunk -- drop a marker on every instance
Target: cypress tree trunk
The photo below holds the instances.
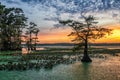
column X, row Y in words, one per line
column 5, row 46
column 35, row 45
column 31, row 48
column 86, row 57
column 35, row 42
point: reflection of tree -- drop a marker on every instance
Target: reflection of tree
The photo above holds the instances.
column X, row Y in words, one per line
column 81, row 71
column 85, row 71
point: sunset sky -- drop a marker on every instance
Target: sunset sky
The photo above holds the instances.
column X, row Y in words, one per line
column 46, row 13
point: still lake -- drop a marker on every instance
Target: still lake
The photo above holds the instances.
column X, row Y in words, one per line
column 24, row 50
column 60, row 46
column 99, row 69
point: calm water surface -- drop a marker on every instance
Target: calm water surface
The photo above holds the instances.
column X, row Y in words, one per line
column 99, row 69
column 25, row 51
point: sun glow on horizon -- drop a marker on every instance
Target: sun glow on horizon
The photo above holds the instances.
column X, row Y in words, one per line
column 112, row 38
column 46, row 13
column 56, row 36
column 60, row 36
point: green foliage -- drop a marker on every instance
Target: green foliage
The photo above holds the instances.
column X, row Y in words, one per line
column 12, row 23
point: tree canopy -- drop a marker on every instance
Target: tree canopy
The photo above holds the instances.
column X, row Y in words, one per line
column 12, row 24
column 31, row 35
column 84, row 32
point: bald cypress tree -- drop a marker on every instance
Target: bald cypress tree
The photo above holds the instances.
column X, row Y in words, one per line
column 84, row 32
column 32, row 36
column 12, row 23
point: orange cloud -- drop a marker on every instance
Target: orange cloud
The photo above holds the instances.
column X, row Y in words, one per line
column 114, row 37
column 60, row 36
column 55, row 36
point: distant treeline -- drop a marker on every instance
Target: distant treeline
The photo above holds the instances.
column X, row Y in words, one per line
column 105, row 44
column 72, row 44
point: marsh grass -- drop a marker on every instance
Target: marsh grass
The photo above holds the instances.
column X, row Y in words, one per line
column 14, row 56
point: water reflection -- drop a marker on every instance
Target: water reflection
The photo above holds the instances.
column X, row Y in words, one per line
column 103, row 67
column 81, row 71
column 107, row 47
column 85, row 70
column 25, row 50
column 97, row 70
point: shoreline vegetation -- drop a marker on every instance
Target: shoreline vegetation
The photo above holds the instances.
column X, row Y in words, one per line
column 50, row 57
column 72, row 44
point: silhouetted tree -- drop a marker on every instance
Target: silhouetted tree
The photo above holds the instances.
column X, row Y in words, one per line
column 85, row 31
column 32, row 31
column 12, row 22
column 36, row 31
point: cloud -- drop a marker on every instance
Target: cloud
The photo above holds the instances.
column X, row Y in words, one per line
column 58, row 25
column 52, row 19
column 46, row 13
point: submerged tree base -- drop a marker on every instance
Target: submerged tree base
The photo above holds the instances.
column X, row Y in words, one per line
column 86, row 59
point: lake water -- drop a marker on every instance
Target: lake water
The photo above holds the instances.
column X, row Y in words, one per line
column 99, row 69
column 108, row 47
column 25, row 51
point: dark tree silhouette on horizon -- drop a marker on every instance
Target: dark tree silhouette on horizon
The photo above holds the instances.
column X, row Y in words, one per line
column 32, row 36
column 84, row 32
column 35, row 32
column 12, row 23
